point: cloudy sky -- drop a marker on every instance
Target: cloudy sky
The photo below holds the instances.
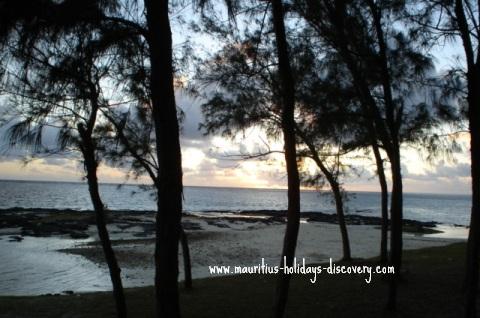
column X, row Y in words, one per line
column 206, row 162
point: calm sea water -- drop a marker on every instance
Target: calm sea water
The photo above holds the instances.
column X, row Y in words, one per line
column 447, row 209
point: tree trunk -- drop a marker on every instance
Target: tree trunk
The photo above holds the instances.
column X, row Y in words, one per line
column 187, row 265
column 473, row 99
column 169, row 182
column 385, row 129
column 473, row 245
column 393, row 124
column 337, row 194
column 396, row 211
column 384, row 204
column 91, row 168
column 341, row 220
column 288, row 129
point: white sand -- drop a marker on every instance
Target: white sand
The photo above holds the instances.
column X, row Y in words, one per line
column 317, row 242
column 238, row 243
column 42, row 265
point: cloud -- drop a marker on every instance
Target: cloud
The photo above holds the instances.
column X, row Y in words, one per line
column 206, row 162
column 441, row 170
column 193, row 117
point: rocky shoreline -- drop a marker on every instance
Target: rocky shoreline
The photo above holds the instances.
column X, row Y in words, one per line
column 67, row 251
column 19, row 222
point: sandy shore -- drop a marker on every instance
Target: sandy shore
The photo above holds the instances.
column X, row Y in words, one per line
column 243, row 243
column 215, row 239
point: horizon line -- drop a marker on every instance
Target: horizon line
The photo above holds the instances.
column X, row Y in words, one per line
column 228, row 187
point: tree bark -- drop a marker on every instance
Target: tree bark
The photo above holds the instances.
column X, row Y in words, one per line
column 288, row 129
column 386, row 130
column 341, row 220
column 337, row 194
column 473, row 245
column 384, row 204
column 169, row 180
column 473, row 100
column 88, row 151
column 187, row 265
column 396, row 210
column 393, row 124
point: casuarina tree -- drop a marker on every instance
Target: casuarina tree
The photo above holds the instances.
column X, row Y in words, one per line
column 54, row 87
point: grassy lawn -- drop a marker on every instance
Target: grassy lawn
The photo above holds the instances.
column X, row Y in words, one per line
column 431, row 288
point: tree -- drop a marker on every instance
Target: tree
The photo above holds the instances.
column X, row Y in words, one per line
column 471, row 47
column 151, row 22
column 131, row 143
column 287, row 123
column 458, row 20
column 246, row 73
column 382, row 180
column 58, row 88
column 288, row 128
column 384, row 68
column 334, row 21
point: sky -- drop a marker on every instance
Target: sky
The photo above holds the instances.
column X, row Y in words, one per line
column 207, row 162
column 207, row 159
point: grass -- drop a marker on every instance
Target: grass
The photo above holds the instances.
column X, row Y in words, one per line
column 431, row 288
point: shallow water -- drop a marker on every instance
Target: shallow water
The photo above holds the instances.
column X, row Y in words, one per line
column 450, row 232
column 34, row 266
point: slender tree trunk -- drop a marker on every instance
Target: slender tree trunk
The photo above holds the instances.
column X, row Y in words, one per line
column 341, row 220
column 472, row 56
column 187, row 265
column 393, row 120
column 396, row 211
column 386, row 129
column 288, row 128
column 337, row 194
column 91, row 168
column 473, row 245
column 169, row 182
column 384, row 204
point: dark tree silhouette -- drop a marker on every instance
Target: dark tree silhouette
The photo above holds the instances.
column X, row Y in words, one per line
column 382, row 180
column 287, row 123
column 472, row 50
column 459, row 20
column 169, row 181
column 376, row 60
column 249, row 97
column 469, row 32
column 149, row 21
column 132, row 141
column 55, row 84
column 245, row 70
column 287, row 85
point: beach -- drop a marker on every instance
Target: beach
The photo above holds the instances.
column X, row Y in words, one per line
column 69, row 237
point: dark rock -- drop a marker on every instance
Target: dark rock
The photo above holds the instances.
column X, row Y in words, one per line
column 191, row 226
column 79, row 235
column 15, row 238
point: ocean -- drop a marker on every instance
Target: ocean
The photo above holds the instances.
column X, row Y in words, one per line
column 442, row 208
